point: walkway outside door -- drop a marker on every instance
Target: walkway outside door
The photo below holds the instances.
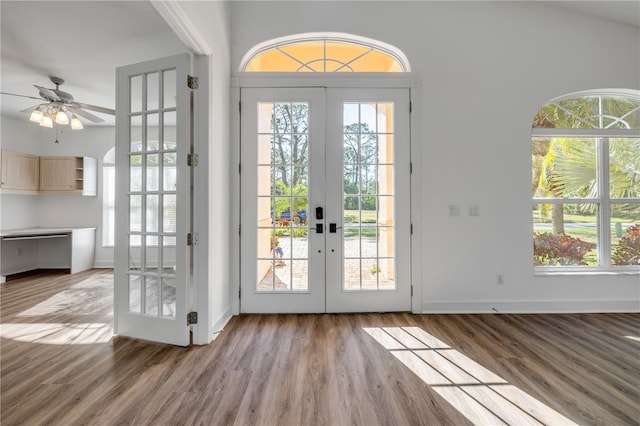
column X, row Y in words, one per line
column 325, row 200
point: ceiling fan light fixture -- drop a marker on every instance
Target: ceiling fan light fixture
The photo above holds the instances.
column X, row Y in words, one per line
column 76, row 124
column 36, row 115
column 61, row 117
column 46, row 121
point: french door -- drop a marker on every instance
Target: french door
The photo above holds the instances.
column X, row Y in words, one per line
column 151, row 278
column 325, row 216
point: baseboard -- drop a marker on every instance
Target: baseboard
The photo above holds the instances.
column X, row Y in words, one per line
column 531, row 307
column 219, row 325
column 100, row 264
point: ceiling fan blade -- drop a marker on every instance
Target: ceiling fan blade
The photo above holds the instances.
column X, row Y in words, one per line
column 48, row 94
column 21, row 96
column 88, row 115
column 97, row 108
column 30, row 108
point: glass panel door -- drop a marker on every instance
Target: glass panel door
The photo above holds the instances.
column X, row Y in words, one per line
column 282, row 183
column 152, row 209
column 325, row 221
column 368, row 244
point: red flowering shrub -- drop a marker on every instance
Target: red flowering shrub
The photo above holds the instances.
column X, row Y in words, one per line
column 559, row 249
column 627, row 252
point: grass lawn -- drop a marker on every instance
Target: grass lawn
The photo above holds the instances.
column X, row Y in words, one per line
column 353, row 216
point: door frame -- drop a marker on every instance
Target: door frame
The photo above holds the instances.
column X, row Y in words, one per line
column 361, row 81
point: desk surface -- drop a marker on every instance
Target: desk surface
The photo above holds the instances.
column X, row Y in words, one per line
column 38, row 231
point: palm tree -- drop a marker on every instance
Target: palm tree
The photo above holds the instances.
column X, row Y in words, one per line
column 567, row 166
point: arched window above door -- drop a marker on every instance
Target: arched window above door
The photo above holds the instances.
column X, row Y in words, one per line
column 324, row 52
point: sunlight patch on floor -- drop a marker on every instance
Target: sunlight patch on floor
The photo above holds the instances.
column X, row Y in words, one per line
column 637, row 339
column 75, row 300
column 483, row 397
column 58, row 334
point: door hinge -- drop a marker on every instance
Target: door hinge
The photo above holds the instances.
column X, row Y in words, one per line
column 410, row 168
column 410, row 107
column 192, row 160
column 192, row 239
column 412, row 229
column 411, row 290
column 192, row 82
column 239, row 230
column 239, row 106
column 239, row 168
column 192, row 318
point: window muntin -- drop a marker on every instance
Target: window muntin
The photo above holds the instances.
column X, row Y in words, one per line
column 331, row 52
column 586, row 190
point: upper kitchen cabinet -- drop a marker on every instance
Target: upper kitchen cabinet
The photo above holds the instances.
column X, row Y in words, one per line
column 20, row 172
column 68, row 175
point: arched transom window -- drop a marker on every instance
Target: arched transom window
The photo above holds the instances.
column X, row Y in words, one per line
column 326, row 52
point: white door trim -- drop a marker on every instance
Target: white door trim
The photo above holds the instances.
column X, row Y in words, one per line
column 361, row 80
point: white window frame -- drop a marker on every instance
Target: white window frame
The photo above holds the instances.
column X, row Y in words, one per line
column 603, row 200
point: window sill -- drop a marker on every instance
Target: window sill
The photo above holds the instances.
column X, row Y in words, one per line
column 545, row 273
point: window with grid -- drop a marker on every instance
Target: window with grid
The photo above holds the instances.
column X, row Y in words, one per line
column 586, row 182
column 324, row 52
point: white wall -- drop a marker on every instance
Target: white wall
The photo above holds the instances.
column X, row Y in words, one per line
column 485, row 68
column 23, row 211
column 204, row 28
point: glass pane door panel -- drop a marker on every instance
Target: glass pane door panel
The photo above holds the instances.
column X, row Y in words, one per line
column 152, row 295
column 169, row 213
column 134, row 293
column 368, row 217
column 135, row 213
column 135, row 104
column 152, row 213
column 169, row 90
column 135, row 133
column 135, row 253
column 153, row 172
column 135, row 173
column 168, row 255
column 282, row 196
column 169, row 171
column 153, row 94
column 153, row 129
column 168, row 297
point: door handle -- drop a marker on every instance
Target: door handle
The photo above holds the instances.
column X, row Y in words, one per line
column 319, row 228
column 319, row 213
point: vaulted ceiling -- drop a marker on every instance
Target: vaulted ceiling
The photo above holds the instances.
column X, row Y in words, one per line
column 84, row 41
column 80, row 41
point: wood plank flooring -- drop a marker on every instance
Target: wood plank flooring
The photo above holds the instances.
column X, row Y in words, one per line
column 61, row 366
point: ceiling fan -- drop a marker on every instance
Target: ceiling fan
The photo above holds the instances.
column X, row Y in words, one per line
column 60, row 107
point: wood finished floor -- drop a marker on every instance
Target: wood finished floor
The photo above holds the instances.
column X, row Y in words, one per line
column 304, row 369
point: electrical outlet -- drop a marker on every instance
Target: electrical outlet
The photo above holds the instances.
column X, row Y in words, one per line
column 500, row 279
column 19, row 251
column 474, row 210
column 454, row 210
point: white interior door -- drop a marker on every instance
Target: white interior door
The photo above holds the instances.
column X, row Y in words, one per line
column 152, row 277
column 325, row 213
